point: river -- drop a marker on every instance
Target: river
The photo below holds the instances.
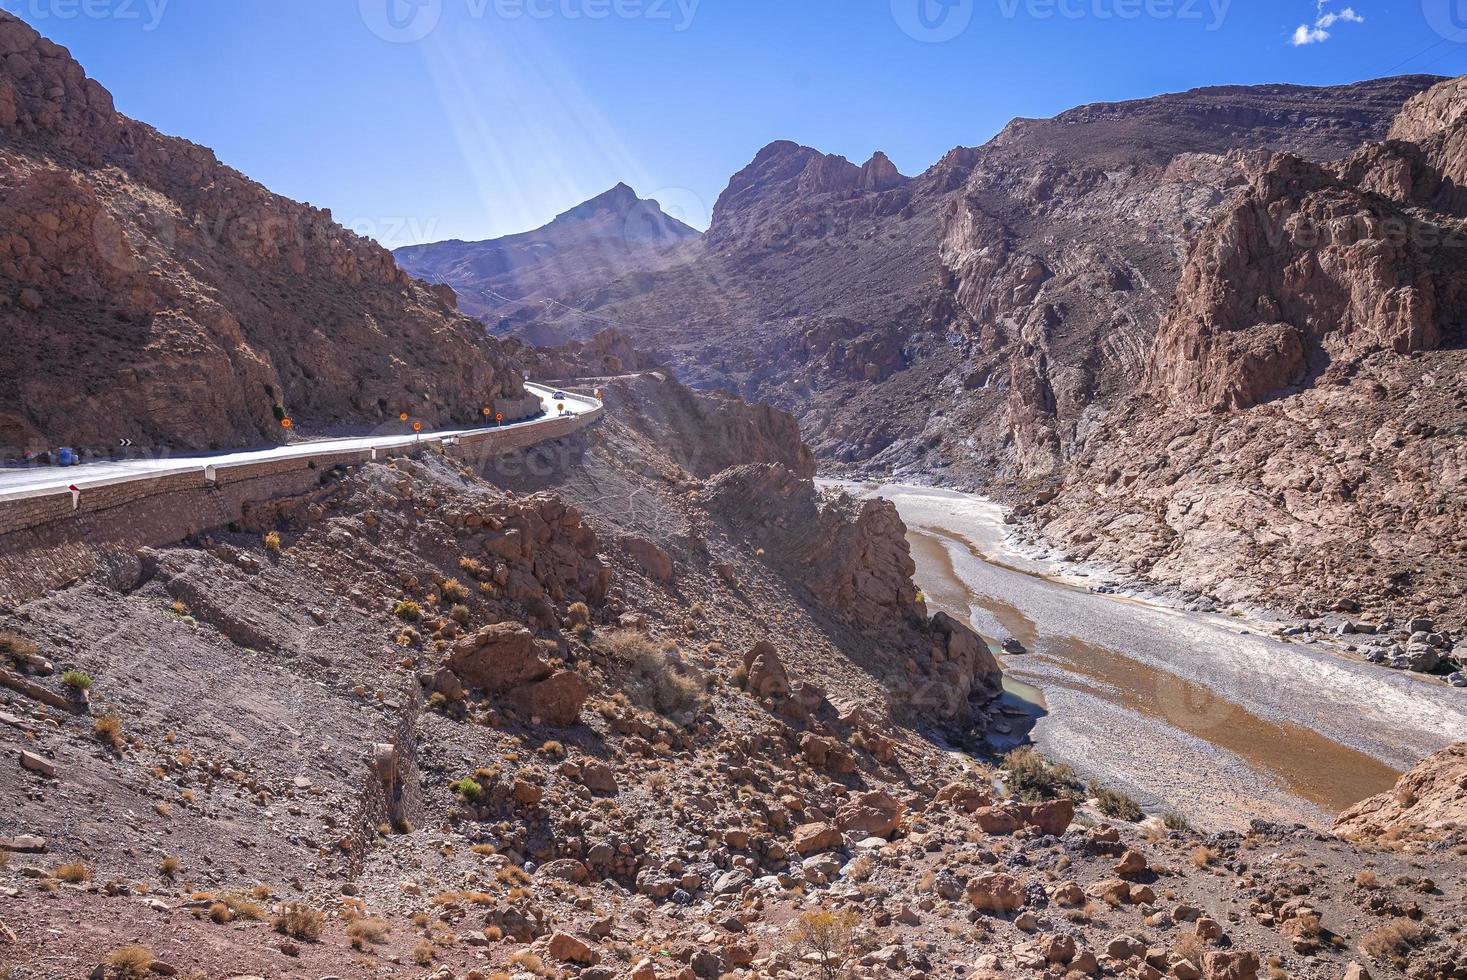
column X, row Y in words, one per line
column 1197, row 713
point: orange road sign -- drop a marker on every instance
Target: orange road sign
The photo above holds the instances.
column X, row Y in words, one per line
column 499, row 416
column 417, row 427
column 402, row 416
column 287, row 422
column 486, row 413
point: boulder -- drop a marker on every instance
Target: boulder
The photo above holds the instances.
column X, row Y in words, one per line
column 811, row 838
column 1225, row 964
column 1131, row 863
column 874, row 814
column 649, row 557
column 963, row 797
column 568, row 949
column 557, row 700
column 598, row 777
column 1052, row 817
column 38, row 765
column 565, row 869
column 997, row 819
column 997, row 892
column 765, row 672
column 497, row 658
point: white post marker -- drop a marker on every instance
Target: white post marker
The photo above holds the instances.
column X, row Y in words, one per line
column 75, row 496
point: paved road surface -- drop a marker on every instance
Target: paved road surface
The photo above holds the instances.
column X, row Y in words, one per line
column 37, row 480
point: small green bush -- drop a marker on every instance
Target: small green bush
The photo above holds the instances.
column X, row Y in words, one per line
column 1116, row 805
column 408, row 610
column 467, row 788
column 76, row 680
column 1175, row 821
column 1032, row 778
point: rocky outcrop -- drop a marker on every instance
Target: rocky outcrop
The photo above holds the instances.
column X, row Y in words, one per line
column 167, row 298
column 1307, row 269
column 1431, row 800
column 852, row 554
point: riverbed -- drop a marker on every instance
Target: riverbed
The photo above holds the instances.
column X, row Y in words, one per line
column 1198, row 713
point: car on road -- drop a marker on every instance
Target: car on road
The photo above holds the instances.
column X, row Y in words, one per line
column 559, row 396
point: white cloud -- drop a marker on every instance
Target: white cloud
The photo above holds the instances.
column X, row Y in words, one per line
column 1318, row 32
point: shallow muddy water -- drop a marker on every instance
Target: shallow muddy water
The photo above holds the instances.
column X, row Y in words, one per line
column 1192, row 712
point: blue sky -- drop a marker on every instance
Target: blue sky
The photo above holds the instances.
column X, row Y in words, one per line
column 426, row 119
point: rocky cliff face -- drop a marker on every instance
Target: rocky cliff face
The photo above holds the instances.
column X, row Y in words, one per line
column 1302, row 435
column 149, row 292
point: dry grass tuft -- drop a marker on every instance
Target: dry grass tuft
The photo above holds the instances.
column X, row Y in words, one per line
column 130, row 962
column 299, row 921
column 368, row 930
column 72, row 872
column 1393, row 942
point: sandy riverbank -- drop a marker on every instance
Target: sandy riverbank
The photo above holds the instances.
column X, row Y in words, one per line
column 1188, row 711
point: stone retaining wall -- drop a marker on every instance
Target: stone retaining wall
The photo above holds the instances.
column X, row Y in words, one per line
column 45, row 543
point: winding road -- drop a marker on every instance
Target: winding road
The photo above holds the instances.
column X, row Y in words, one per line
column 33, row 481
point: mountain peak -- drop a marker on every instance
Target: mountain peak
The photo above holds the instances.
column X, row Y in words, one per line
column 620, row 200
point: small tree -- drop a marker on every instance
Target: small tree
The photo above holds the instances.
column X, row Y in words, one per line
column 828, row 936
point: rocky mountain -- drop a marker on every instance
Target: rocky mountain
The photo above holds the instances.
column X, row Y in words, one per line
column 1301, row 430
column 977, row 319
column 604, row 238
column 149, row 292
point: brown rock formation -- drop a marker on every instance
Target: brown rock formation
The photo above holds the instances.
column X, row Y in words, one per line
column 147, row 291
column 1430, row 799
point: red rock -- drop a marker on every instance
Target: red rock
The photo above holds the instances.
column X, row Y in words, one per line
column 810, row 838
column 996, row 892
column 497, row 658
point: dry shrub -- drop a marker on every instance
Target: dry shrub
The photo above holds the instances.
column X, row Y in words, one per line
column 423, row 954
column 1190, row 946
column 454, row 591
column 1032, row 778
column 1393, row 942
column 220, row 914
column 828, row 937
column 72, row 872
column 131, row 962
column 659, row 677
column 368, row 930
column 108, row 729
column 1116, row 805
column 243, row 907
column 1367, row 879
column 1203, row 856
column 299, row 921
column 272, row 542
column 529, row 962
